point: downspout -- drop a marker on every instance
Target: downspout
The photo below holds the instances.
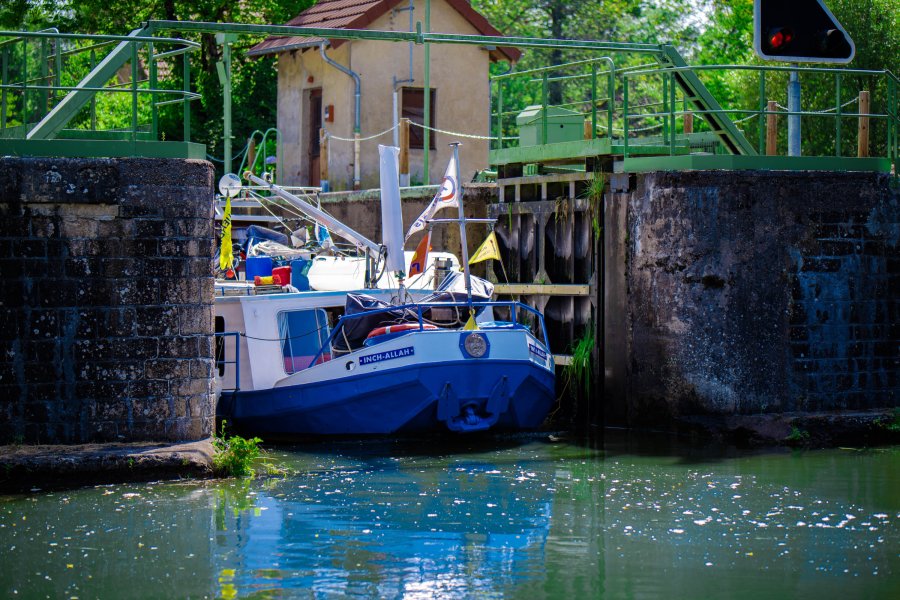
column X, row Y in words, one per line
column 356, row 116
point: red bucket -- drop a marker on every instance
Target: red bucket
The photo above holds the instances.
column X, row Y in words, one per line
column 283, row 274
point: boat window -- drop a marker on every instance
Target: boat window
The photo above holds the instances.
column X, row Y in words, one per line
column 302, row 333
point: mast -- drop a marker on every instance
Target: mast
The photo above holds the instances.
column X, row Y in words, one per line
column 462, row 226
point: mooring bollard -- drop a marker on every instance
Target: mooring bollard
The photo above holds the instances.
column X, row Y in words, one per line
column 863, row 137
column 404, row 151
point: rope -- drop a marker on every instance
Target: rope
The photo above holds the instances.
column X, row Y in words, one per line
column 825, row 111
column 362, row 139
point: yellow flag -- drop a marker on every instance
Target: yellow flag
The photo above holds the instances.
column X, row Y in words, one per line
column 487, row 249
column 471, row 325
column 226, row 255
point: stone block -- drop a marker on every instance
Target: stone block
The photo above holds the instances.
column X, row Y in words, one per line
column 195, row 320
column 163, row 368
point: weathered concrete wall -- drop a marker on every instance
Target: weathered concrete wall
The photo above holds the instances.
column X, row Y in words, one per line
column 749, row 293
column 106, row 303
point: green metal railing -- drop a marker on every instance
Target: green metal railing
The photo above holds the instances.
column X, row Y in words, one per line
column 41, row 73
column 642, row 109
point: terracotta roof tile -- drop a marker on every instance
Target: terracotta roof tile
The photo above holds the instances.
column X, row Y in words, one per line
column 359, row 14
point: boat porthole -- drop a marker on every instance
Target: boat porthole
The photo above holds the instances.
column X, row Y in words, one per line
column 350, row 365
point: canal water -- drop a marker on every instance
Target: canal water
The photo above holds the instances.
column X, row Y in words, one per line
column 524, row 518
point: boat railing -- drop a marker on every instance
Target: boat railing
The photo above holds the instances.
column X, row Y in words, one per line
column 221, row 356
column 418, row 309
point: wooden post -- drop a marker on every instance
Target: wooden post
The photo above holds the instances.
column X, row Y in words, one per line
column 688, row 123
column 323, row 160
column 771, row 129
column 404, row 151
column 588, row 129
column 251, row 155
column 863, row 143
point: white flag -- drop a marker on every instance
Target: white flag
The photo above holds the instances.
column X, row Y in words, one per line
column 446, row 197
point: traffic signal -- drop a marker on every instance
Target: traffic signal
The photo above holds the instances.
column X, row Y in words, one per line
column 799, row 31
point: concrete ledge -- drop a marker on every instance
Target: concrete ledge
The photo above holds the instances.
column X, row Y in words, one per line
column 818, row 430
column 23, row 468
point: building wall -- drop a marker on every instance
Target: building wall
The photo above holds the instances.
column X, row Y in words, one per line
column 107, row 300
column 459, row 74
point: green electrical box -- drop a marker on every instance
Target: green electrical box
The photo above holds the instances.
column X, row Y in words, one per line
column 562, row 125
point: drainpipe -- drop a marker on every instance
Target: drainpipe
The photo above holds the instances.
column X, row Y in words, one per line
column 356, row 116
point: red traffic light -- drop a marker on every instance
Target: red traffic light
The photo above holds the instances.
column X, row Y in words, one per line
column 799, row 31
column 780, row 37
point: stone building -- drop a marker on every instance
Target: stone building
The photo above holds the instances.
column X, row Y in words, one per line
column 315, row 92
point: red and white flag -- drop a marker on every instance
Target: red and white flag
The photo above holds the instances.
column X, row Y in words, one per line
column 446, row 197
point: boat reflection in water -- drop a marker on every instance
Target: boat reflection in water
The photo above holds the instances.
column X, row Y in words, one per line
column 379, row 529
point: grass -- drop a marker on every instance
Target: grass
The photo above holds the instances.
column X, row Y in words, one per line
column 578, row 372
column 594, row 194
column 234, row 455
column 797, row 436
column 893, row 424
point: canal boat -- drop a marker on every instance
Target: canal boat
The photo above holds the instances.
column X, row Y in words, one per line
column 396, row 361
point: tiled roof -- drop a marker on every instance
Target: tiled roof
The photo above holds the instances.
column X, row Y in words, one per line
column 359, row 14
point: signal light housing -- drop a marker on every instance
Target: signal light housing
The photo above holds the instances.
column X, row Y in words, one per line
column 800, row 31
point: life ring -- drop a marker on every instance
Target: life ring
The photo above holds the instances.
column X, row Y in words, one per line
column 397, row 328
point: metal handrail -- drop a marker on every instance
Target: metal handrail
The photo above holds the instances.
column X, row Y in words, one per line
column 237, row 356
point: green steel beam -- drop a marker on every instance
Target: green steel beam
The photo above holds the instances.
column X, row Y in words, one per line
column 704, row 101
column 105, row 149
column 733, row 162
column 396, row 36
column 74, row 101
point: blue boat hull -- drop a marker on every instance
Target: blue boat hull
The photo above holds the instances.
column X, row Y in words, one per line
column 457, row 396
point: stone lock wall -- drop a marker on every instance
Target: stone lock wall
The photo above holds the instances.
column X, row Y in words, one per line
column 734, row 293
column 106, row 303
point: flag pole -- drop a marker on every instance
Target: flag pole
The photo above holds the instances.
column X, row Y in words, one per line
column 462, row 226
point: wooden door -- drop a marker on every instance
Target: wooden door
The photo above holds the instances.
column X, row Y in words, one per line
column 314, row 125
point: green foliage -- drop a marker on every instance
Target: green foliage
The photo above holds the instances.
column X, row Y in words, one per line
column 892, row 424
column 578, row 372
column 594, row 194
column 234, row 455
column 797, row 436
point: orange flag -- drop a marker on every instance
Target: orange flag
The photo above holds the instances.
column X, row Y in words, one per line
column 420, row 257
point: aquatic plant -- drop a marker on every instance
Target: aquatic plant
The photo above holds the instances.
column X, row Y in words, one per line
column 234, row 455
column 578, row 372
column 594, row 195
column 797, row 436
column 892, row 424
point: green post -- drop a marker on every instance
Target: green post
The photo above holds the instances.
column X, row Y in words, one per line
column 185, row 101
column 44, row 80
column 94, row 96
column 134, row 91
column 593, row 100
column 5, row 79
column 426, row 150
column 611, row 102
column 625, row 115
column 762, row 116
column 500, row 113
column 665, row 108
column 672, row 129
column 24, row 81
column 837, row 115
column 225, row 40
column 544, row 93
column 57, row 67
column 154, row 112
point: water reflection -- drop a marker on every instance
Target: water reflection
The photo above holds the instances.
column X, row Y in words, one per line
column 527, row 520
